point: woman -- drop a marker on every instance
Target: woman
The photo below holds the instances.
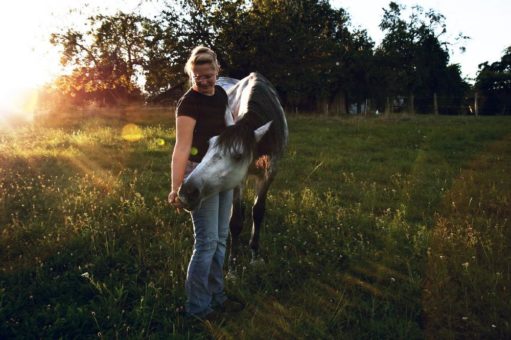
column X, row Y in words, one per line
column 200, row 115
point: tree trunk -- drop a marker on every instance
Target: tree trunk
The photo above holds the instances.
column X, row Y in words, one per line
column 338, row 104
column 323, row 106
column 411, row 104
column 435, row 104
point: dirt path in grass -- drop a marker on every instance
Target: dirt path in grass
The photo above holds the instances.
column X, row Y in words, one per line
column 468, row 279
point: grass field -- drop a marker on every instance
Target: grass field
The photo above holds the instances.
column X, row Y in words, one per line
column 376, row 228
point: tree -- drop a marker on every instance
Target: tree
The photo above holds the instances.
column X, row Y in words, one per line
column 396, row 53
column 453, row 89
column 166, row 54
column 107, row 59
column 414, row 58
column 359, row 81
column 493, row 82
column 302, row 46
column 308, row 49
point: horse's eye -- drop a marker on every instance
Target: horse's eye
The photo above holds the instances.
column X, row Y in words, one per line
column 237, row 157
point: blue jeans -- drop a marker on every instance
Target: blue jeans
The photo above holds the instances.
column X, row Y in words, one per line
column 205, row 277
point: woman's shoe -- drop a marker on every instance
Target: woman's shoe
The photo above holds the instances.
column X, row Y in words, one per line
column 231, row 306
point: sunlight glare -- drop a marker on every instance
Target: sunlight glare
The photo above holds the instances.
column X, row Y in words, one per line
column 28, row 60
column 21, row 66
column 131, row 133
column 20, row 103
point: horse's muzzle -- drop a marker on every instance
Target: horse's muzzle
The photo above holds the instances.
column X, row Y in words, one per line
column 189, row 195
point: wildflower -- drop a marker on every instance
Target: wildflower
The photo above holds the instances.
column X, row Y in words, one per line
column 465, row 265
column 86, row 275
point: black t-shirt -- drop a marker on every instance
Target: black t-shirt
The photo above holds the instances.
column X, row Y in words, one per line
column 209, row 115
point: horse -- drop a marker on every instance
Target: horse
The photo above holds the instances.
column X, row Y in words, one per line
column 253, row 143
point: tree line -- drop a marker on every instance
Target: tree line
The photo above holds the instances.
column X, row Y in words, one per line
column 312, row 53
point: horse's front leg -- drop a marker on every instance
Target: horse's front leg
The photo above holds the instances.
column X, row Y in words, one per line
column 258, row 210
column 235, row 225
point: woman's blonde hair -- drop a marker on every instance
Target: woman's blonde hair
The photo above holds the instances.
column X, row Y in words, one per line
column 201, row 55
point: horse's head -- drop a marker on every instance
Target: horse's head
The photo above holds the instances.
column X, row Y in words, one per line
column 224, row 165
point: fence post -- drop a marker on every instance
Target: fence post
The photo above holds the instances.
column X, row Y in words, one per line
column 476, row 104
column 388, row 107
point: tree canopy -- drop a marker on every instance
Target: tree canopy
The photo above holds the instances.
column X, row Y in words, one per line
column 494, row 83
column 317, row 60
column 415, row 60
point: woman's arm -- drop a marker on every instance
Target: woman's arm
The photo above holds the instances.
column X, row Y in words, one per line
column 184, row 137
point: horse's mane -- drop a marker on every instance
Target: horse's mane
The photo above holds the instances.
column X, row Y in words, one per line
column 238, row 138
column 262, row 106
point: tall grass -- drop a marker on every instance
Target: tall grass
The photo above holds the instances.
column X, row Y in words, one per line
column 376, row 228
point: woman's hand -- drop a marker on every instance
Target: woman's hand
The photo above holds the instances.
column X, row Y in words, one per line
column 174, row 200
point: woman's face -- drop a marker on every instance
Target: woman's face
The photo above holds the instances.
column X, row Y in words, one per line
column 204, row 79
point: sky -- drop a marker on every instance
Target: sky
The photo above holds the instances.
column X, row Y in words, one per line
column 27, row 60
column 486, row 22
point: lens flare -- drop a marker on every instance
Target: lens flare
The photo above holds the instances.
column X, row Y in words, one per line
column 131, row 133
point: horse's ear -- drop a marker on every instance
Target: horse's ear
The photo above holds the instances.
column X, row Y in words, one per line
column 259, row 132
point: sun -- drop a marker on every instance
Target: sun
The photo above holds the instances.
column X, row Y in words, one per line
column 27, row 60
column 21, row 74
column 18, row 101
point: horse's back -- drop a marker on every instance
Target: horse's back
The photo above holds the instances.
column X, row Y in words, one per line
column 227, row 83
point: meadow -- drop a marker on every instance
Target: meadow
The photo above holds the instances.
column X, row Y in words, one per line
column 376, row 228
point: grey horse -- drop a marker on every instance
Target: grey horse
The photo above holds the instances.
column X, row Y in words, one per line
column 252, row 144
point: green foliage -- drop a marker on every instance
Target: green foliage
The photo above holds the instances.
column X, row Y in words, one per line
column 494, row 84
column 104, row 59
column 380, row 228
column 415, row 60
column 308, row 49
column 305, row 47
